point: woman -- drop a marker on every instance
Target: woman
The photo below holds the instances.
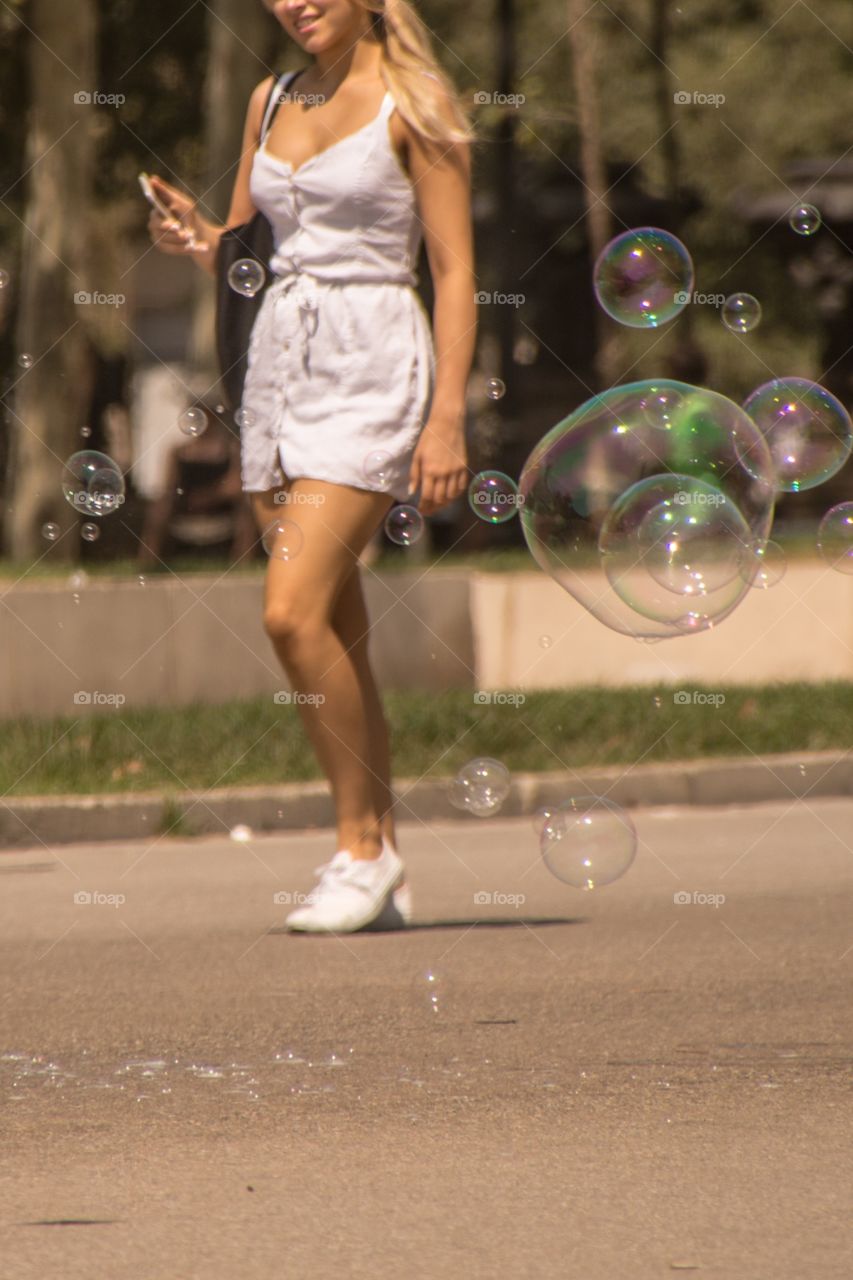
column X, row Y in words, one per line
column 347, row 404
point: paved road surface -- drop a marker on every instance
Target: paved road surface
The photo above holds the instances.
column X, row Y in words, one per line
column 614, row 1086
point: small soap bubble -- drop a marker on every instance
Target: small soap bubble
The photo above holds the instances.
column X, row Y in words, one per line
column 247, row 277
column 283, row 539
column 244, row 417
column 378, row 469
column 494, row 497
column 644, row 278
column 545, row 642
column 480, row 787
column 85, row 432
column 90, row 532
column 50, row 531
column 495, row 388
column 835, row 537
column 93, row 483
column 25, row 360
column 193, row 421
column 589, row 842
column 404, row 525
column 4, row 278
column 741, row 312
column 804, row 219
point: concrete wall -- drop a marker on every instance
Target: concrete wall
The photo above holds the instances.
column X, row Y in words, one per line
column 173, row 642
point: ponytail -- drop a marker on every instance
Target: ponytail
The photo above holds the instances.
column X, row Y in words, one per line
column 424, row 95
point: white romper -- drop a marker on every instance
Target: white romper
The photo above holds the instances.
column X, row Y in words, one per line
column 341, row 361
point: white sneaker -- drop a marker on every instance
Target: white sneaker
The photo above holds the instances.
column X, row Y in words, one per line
column 351, row 894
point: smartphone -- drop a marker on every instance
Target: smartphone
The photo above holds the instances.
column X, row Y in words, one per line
column 153, row 199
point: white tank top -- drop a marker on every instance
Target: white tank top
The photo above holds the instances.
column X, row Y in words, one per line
column 346, row 214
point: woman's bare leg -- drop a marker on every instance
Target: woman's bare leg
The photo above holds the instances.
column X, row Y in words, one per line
column 301, row 595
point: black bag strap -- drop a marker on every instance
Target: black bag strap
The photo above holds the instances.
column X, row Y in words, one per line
column 279, row 88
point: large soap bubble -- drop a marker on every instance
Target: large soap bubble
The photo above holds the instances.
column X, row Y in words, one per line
column 808, row 431
column 640, row 505
column 643, row 278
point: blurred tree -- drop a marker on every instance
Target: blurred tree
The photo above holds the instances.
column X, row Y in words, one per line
column 52, row 394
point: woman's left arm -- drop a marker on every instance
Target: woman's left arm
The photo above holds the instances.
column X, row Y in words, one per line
column 441, row 174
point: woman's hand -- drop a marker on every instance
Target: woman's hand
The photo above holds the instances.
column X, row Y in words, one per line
column 439, row 466
column 186, row 232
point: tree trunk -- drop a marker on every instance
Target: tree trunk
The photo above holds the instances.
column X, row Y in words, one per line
column 49, row 400
column 243, row 41
column 599, row 218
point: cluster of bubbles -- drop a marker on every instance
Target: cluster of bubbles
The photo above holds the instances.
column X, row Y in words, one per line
column 247, row 277
column 640, row 505
column 480, row 787
column 93, row 483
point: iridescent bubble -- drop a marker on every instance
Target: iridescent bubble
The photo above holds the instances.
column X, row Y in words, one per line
column 541, row 818
column 25, row 360
column 808, row 431
column 247, row 277
column 379, row 469
column 545, row 642
column 4, row 278
column 589, row 842
column 219, row 408
column 90, row 532
column 50, row 531
column 764, row 566
column 592, row 482
column 493, row 497
column 244, row 418
column 672, row 538
column 283, row 539
column 741, row 312
column 85, row 432
column 429, row 990
column 193, row 421
column 644, row 278
column 495, row 388
column 835, row 537
column 404, row 525
column 660, row 406
column 93, row 483
column 480, row 787
column 804, row 219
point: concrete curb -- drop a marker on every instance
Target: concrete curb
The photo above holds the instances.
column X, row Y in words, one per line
column 34, row 820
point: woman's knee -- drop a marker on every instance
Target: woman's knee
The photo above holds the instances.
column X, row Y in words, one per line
column 288, row 621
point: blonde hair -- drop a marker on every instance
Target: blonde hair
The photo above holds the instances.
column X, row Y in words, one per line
column 425, row 96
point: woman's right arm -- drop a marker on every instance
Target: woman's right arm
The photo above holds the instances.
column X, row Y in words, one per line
column 175, row 236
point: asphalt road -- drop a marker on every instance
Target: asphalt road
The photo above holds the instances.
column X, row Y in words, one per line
column 614, row 1086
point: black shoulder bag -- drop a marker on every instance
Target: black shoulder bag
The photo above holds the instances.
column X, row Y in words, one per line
column 235, row 313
